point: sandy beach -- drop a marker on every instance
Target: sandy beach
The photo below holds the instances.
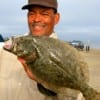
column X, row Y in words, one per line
column 93, row 59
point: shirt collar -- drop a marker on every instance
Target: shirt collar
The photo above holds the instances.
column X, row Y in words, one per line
column 53, row 35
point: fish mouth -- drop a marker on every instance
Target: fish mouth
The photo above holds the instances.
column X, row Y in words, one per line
column 8, row 45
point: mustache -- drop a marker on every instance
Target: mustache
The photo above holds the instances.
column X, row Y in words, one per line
column 38, row 24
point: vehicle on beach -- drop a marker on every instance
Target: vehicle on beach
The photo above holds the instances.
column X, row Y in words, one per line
column 77, row 44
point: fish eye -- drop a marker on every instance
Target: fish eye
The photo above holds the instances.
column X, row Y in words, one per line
column 25, row 52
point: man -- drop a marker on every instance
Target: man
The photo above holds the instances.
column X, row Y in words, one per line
column 14, row 83
column 42, row 16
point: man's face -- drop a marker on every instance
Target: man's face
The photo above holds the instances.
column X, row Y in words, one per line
column 41, row 20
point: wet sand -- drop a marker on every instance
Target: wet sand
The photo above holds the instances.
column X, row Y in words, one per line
column 93, row 59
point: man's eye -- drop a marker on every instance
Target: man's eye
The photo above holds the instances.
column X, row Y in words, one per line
column 45, row 14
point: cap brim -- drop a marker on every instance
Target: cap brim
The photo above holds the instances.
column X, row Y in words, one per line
column 30, row 5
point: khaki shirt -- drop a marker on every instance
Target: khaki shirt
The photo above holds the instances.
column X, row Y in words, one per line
column 15, row 84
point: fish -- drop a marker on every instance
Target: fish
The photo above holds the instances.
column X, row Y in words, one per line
column 55, row 64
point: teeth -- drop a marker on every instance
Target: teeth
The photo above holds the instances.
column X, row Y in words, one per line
column 37, row 27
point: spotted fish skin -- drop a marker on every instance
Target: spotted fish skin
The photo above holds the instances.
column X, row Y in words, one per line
column 55, row 64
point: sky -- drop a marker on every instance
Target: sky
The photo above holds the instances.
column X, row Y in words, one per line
column 79, row 19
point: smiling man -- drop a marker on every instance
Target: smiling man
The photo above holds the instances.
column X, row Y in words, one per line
column 42, row 18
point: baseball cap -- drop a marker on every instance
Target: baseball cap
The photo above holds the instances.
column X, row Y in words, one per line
column 46, row 3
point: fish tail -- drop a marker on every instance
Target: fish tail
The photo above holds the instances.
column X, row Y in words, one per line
column 90, row 93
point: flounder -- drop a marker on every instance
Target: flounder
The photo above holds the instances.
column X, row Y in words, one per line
column 55, row 64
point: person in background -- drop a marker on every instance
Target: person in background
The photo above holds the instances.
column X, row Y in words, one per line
column 42, row 18
column 87, row 46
